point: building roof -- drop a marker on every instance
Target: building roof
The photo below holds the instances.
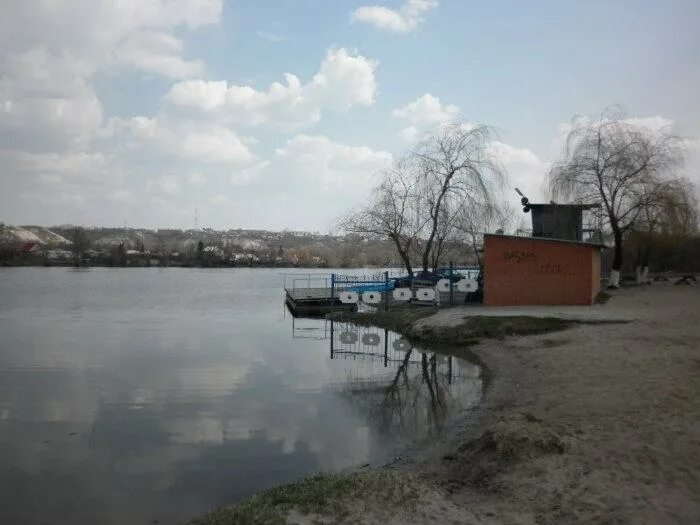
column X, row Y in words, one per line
column 552, row 204
column 548, row 239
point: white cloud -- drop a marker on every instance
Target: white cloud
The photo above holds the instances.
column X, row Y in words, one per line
column 427, row 110
column 65, row 164
column 402, row 20
column 343, row 80
column 157, row 52
column 423, row 114
column 122, row 196
column 46, row 105
column 656, row 123
column 191, row 140
column 246, row 176
column 51, row 51
column 168, row 184
column 525, row 170
column 410, row 134
column 221, row 198
column 271, row 37
column 333, row 163
column 196, row 178
column 213, row 143
column 311, row 180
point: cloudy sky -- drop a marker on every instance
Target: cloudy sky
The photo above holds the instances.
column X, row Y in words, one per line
column 278, row 114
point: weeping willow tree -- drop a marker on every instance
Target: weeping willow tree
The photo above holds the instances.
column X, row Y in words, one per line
column 624, row 167
column 666, row 224
column 422, row 198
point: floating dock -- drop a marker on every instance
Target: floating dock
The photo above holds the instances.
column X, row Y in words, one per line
column 309, row 295
column 314, row 302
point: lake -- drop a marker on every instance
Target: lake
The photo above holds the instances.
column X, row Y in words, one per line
column 153, row 395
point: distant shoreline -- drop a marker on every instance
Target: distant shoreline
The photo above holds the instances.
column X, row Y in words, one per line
column 14, row 264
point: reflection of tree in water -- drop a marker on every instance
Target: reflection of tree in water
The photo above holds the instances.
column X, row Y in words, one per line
column 414, row 401
column 411, row 402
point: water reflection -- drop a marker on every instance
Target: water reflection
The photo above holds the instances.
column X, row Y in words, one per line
column 414, row 400
column 137, row 395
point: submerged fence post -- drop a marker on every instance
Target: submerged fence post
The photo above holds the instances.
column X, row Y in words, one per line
column 332, row 337
column 386, row 290
column 452, row 292
column 332, row 298
column 386, row 347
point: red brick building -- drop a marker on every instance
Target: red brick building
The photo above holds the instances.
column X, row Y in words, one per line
column 539, row 271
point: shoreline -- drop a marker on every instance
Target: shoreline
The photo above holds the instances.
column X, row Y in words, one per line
column 589, row 422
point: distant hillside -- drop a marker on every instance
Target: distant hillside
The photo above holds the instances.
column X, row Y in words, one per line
column 10, row 235
column 239, row 246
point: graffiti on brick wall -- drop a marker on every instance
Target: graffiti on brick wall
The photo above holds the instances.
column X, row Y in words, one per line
column 547, row 266
column 518, row 256
column 552, row 268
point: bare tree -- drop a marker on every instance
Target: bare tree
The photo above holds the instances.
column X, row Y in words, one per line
column 79, row 244
column 480, row 219
column 457, row 171
column 619, row 165
column 421, row 199
column 391, row 213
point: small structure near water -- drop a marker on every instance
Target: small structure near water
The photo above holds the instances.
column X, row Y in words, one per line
column 555, row 266
column 312, row 295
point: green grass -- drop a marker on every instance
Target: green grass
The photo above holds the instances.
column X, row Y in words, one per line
column 475, row 328
column 602, row 297
column 469, row 332
column 333, row 496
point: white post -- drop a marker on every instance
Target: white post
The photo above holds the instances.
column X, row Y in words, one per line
column 614, row 279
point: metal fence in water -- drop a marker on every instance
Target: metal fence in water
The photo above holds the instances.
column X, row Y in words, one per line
column 395, row 288
column 322, row 293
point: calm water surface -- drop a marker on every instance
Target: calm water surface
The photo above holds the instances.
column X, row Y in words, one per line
column 148, row 395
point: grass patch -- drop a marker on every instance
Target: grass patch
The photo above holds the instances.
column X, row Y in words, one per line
column 602, row 297
column 334, row 496
column 482, row 327
column 473, row 329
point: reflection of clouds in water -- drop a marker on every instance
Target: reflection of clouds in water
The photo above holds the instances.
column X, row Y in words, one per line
column 135, row 409
column 201, row 429
column 45, row 396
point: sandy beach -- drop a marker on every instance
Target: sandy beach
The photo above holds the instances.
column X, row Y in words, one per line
column 598, row 423
column 601, row 422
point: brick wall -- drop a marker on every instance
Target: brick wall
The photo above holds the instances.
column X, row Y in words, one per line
column 524, row 270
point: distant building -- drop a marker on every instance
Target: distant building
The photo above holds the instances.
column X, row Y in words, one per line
column 59, row 255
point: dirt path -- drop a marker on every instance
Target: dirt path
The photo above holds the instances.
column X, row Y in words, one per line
column 599, row 423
